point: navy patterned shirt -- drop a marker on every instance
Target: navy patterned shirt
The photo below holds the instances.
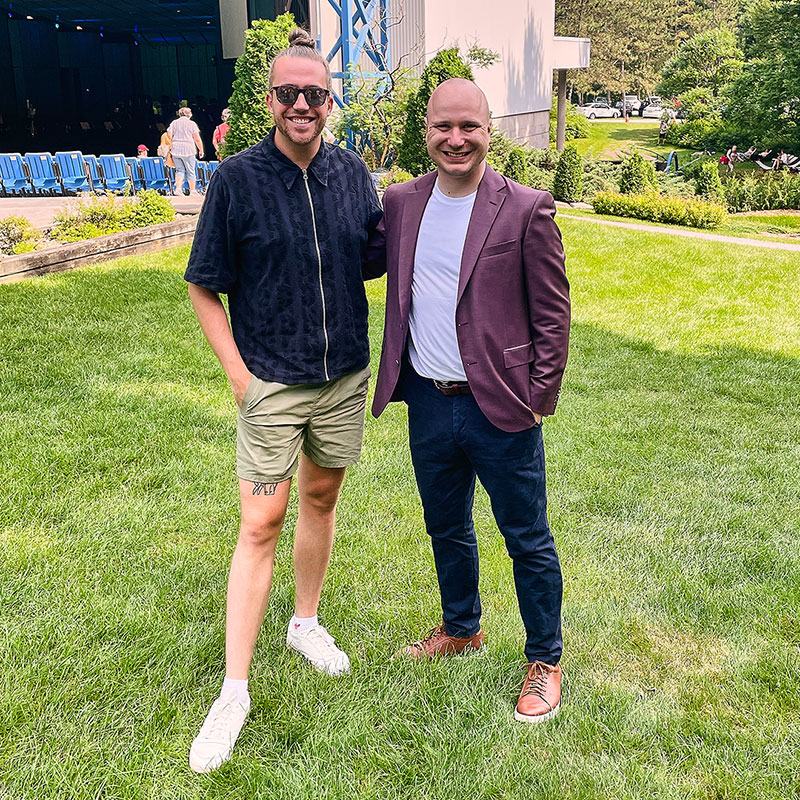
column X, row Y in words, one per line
column 287, row 250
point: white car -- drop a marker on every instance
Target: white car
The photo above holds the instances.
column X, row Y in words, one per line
column 594, row 110
column 656, row 111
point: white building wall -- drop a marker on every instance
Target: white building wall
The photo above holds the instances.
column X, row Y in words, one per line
column 521, row 31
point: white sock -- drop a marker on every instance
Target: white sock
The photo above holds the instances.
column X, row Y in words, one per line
column 302, row 624
column 238, row 688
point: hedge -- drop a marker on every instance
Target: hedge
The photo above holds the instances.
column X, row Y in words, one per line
column 655, row 208
column 777, row 190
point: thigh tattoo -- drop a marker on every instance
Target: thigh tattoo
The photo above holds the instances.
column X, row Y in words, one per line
column 264, row 488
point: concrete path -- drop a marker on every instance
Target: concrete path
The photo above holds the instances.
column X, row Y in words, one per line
column 711, row 237
column 41, row 210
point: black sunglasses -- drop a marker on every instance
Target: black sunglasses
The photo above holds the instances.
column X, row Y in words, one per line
column 314, row 95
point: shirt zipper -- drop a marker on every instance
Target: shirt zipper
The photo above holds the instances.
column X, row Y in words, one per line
column 321, row 289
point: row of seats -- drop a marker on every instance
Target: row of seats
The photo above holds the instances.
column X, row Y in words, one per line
column 69, row 173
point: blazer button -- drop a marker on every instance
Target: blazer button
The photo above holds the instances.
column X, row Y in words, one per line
column 397, row 361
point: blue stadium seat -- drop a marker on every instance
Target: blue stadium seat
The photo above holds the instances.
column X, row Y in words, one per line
column 115, row 172
column 74, row 176
column 44, row 173
column 14, row 175
column 97, row 181
column 136, row 173
column 155, row 174
column 211, row 166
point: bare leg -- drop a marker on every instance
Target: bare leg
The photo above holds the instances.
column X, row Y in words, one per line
column 191, row 186
column 318, row 488
column 250, row 579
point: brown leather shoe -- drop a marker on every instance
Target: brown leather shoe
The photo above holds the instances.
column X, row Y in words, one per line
column 437, row 643
column 540, row 697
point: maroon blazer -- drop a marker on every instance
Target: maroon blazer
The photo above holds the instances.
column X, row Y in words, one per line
column 513, row 311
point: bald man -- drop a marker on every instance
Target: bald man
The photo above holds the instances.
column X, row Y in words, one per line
column 475, row 343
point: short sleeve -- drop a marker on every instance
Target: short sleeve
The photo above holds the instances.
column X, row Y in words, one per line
column 212, row 262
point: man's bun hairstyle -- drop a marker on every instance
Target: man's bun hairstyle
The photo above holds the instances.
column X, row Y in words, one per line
column 302, row 45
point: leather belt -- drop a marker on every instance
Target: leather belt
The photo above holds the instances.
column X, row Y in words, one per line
column 451, row 388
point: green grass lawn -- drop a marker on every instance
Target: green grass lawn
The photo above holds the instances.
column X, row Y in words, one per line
column 612, row 140
column 674, row 466
column 768, row 226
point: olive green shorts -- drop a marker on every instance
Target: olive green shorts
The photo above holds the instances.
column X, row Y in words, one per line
column 277, row 421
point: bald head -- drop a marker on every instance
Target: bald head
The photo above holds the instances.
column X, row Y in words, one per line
column 464, row 93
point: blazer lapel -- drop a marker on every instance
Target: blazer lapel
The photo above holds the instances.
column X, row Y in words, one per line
column 413, row 210
column 488, row 203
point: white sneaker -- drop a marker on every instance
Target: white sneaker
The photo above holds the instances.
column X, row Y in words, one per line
column 213, row 746
column 319, row 647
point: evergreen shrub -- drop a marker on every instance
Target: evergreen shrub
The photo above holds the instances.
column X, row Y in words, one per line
column 568, row 180
column 776, row 190
column 412, row 153
column 250, row 118
column 638, row 176
column 655, row 208
column 708, row 183
column 517, row 166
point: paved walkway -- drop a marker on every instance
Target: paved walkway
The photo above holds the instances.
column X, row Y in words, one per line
column 711, row 237
column 41, row 210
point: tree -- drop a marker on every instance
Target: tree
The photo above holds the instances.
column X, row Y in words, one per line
column 764, row 100
column 709, row 60
column 250, row 118
column 412, row 154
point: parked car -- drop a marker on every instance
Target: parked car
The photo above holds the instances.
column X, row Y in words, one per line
column 632, row 103
column 598, row 110
column 656, row 111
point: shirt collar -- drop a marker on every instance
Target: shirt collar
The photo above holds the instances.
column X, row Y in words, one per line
column 287, row 170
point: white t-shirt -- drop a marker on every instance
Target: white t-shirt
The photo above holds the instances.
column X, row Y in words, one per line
column 433, row 346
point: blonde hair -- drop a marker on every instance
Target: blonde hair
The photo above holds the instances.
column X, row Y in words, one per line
column 302, row 45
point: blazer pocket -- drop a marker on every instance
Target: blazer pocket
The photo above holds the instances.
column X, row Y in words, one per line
column 519, row 355
column 499, row 248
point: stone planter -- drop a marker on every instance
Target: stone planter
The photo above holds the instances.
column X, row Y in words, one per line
column 102, row 248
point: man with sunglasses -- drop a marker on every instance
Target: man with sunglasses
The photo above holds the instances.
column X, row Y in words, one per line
column 282, row 233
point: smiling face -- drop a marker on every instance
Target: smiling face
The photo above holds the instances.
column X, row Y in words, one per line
column 458, row 127
column 298, row 125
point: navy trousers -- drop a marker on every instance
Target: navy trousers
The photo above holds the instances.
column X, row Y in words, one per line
column 452, row 442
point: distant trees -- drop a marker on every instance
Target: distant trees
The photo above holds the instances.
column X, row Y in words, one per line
column 710, row 60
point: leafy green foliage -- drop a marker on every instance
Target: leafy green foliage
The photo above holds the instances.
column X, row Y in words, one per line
column 18, row 235
column 708, row 183
column 749, row 192
column 412, row 153
column 764, row 101
column 638, row 176
column 100, row 217
column 653, row 207
column 393, row 176
column 376, row 114
column 568, row 180
column 599, row 176
column 576, row 126
column 250, row 118
column 709, row 60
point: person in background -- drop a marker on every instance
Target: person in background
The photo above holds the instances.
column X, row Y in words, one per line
column 186, row 146
column 733, row 156
column 218, row 139
column 141, row 151
column 662, row 131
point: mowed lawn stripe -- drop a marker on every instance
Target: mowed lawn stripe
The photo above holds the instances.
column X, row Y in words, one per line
column 673, row 474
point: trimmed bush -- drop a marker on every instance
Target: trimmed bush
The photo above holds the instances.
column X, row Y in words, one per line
column 100, row 217
column 655, row 208
column 250, row 118
column 393, row 176
column 599, row 176
column 517, row 166
column 708, row 183
column 638, row 176
column 17, row 235
column 576, row 126
column 412, row 154
column 776, row 190
column 568, row 180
